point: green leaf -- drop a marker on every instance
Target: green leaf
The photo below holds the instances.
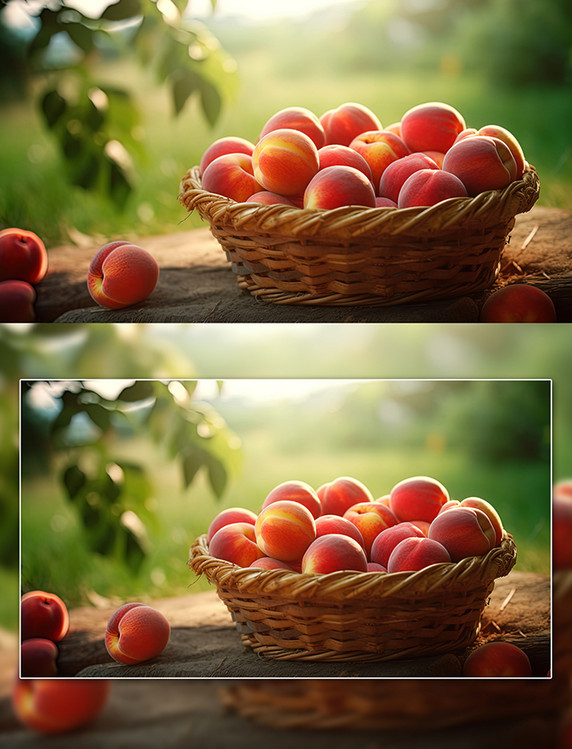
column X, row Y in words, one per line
column 122, row 10
column 211, row 102
column 53, row 107
column 140, row 390
column 192, row 461
column 217, row 475
column 74, row 480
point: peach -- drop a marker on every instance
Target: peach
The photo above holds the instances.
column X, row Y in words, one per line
column 121, row 274
column 297, row 118
column 265, row 197
column 236, row 543
column 379, row 148
column 398, row 171
column 268, row 563
column 333, row 553
column 384, row 203
column 427, row 187
column 370, row 518
column 43, row 615
column 375, row 567
column 562, row 526
column 394, row 127
column 336, row 155
column 388, row 539
column 284, row 161
column 436, row 156
column 414, row 553
column 497, row 658
column 518, row 302
column 431, row 127
column 295, row 491
column 490, row 512
column 136, row 633
column 418, row 498
column 17, row 301
column 384, row 499
column 232, row 176
column 422, row 525
column 23, row 256
column 228, row 516
column 464, row 532
column 337, row 186
column 468, row 131
column 38, row 658
column 496, row 131
column 223, row 146
column 284, row 530
column 339, row 495
column 327, row 524
column 346, row 122
column 481, row 163
column 54, row 706
column 449, row 505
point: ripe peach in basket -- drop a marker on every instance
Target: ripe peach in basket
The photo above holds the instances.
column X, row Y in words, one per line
column 284, row 530
column 284, row 161
column 297, row 118
column 418, row 498
column 432, row 126
column 336, row 155
column 236, row 543
column 136, row 633
column 327, row 524
column 427, row 187
column 413, row 554
column 222, row 146
column 265, row 197
column 339, row 495
column 379, row 148
column 496, row 131
column 464, row 532
column 370, row 518
column 337, row 186
column 481, row 163
column 231, row 176
column 268, row 563
column 497, row 658
column 295, row 491
column 333, row 553
column 388, row 539
column 398, row 171
column 347, row 121
column 490, row 512
column 228, row 516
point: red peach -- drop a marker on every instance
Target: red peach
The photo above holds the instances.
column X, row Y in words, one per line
column 384, row 203
column 375, row 567
column 333, row 553
column 415, row 553
column 345, row 123
column 295, row 491
column 562, row 526
column 121, row 274
column 17, row 301
column 449, row 505
column 370, row 518
column 496, row 131
column 336, row 155
column 437, row 157
column 422, row 525
column 379, row 148
column 236, row 543
column 398, row 171
column 464, row 532
column 223, row 146
column 284, row 530
column 297, row 118
column 395, row 127
column 228, row 516
column 265, row 197
column 285, row 161
column 232, row 176
column 23, row 256
column 339, row 495
column 38, row 658
column 53, row 706
column 136, row 633
column 518, row 302
column 327, row 524
column 490, row 512
column 431, row 127
column 481, row 163
column 497, row 658
column 43, row 615
column 384, row 499
column 268, row 563
column 427, row 187
column 337, row 186
column 388, row 539
column 468, row 131
column 418, row 498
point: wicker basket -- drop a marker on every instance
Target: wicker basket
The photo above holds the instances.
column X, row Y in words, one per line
column 357, row 616
column 353, row 255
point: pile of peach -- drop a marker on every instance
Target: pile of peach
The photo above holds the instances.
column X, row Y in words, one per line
column 340, row 526
column 346, row 157
column 23, row 264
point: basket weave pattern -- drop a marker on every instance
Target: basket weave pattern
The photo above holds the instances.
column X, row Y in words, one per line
column 353, row 255
column 356, row 616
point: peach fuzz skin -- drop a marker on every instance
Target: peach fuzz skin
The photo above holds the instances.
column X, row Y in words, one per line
column 336, row 155
column 398, row 171
column 284, row 530
column 388, row 539
column 370, row 518
column 136, row 633
column 413, row 554
column 334, row 553
column 481, row 163
column 23, row 256
column 427, row 187
column 232, row 176
column 339, row 495
column 43, row 615
column 433, row 126
column 327, row 524
column 490, row 512
column 501, row 133
column 223, row 146
column 418, row 498
column 268, row 563
column 121, row 274
column 236, row 543
column 498, row 659
column 38, row 658
column 518, row 302
column 295, row 491
column 228, row 516
column 464, row 532
column 337, row 186
column 265, row 197
column 53, row 706
column 297, row 118
column 562, row 526
column 345, row 123
column 284, row 161
column 379, row 148
column 17, row 300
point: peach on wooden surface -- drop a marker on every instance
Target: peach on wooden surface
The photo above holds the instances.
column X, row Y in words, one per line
column 284, row 530
column 268, row 563
column 481, row 163
column 236, row 543
column 339, row 495
column 336, row 155
column 337, row 186
column 379, row 148
column 347, row 121
column 427, row 187
column 398, row 171
column 518, row 302
column 17, row 301
column 332, row 553
column 121, row 274
column 297, row 118
column 223, row 146
column 284, row 161
column 432, row 126
column 497, row 658
column 496, row 131
column 136, row 633
column 490, row 512
column 416, row 553
column 23, row 256
column 43, row 614
column 38, row 658
column 54, row 706
column 370, row 518
column 228, row 516
column 388, row 539
column 464, row 532
column 232, row 176
column 327, row 524
column 418, row 498
column 265, row 197
column 295, row 491
column 562, row 525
